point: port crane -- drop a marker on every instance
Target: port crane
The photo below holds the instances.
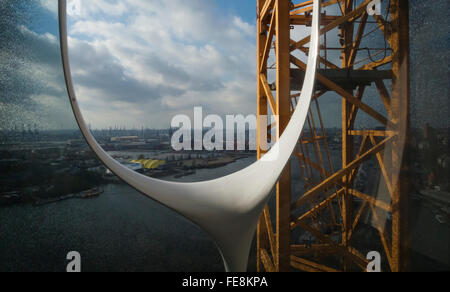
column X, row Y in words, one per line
column 372, row 83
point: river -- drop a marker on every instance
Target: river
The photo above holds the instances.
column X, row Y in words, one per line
column 123, row 230
column 119, row 231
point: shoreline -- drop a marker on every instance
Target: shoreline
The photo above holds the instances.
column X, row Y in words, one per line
column 87, row 194
column 19, row 197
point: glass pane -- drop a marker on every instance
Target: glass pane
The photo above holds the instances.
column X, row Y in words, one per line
column 136, row 65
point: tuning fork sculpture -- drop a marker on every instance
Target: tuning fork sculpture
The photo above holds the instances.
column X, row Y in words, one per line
column 227, row 208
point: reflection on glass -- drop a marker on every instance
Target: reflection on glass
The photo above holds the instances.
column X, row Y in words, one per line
column 47, row 172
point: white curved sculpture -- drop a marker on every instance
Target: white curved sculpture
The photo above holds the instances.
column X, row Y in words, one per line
column 227, row 208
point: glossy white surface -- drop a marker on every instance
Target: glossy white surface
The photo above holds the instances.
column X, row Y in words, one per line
column 227, row 208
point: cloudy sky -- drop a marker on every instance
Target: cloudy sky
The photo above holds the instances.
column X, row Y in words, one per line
column 134, row 62
column 142, row 62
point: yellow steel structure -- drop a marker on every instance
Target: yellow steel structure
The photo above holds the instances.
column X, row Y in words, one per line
column 331, row 208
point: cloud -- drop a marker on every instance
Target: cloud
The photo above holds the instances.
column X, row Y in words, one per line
column 50, row 5
column 160, row 58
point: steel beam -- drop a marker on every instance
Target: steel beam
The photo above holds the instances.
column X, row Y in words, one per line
column 283, row 237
